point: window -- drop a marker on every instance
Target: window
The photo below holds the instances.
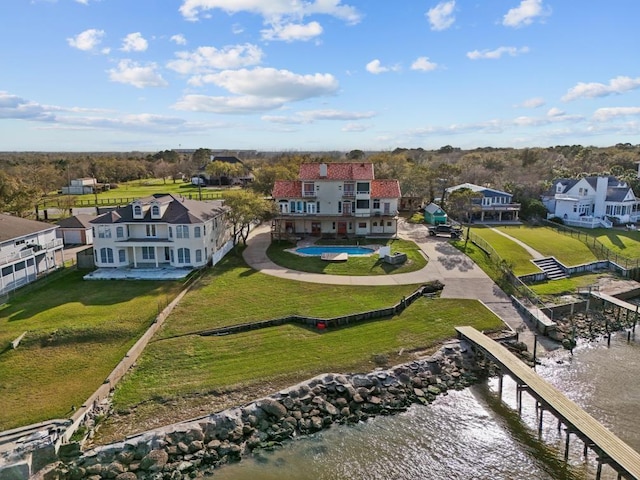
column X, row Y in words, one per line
column 148, row 253
column 204, row 230
column 311, row 207
column 362, row 204
column 120, row 232
column 182, row 231
column 151, row 230
column 388, row 224
column 196, row 232
column 317, row 207
column 339, row 207
column 104, row 232
column 106, row 255
column 170, row 232
column 284, row 207
column 308, row 190
column 137, row 211
column 349, row 190
column 376, row 203
column 155, row 211
column 184, row 255
column 198, row 256
column 122, row 256
column 362, row 187
column 362, row 225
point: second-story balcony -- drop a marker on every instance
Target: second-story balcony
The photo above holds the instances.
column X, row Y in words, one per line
column 501, row 207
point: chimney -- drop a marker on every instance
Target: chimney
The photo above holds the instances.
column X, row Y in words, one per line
column 323, row 170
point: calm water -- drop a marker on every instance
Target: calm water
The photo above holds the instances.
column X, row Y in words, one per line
column 469, row 434
column 319, row 250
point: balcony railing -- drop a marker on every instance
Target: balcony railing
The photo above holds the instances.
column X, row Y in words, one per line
column 29, row 252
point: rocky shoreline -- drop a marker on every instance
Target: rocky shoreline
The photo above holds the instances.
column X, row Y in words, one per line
column 195, row 448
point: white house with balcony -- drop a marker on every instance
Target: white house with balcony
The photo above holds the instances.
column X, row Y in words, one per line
column 28, row 250
column 592, row 202
column 336, row 200
column 162, row 232
column 495, row 205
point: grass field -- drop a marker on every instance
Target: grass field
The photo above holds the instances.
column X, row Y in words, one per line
column 190, row 364
column 77, row 331
column 568, row 250
column 510, row 251
column 564, row 285
column 626, row 243
column 232, row 293
column 355, row 265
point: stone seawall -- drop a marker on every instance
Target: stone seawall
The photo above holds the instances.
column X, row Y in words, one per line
column 188, row 449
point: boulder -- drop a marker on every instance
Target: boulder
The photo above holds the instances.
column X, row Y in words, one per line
column 273, row 407
column 154, row 461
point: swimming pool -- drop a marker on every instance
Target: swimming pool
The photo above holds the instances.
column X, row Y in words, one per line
column 318, row 250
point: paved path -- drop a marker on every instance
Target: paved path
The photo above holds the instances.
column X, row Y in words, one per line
column 534, row 253
column 461, row 276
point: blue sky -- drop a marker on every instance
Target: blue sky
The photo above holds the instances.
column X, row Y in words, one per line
column 298, row 75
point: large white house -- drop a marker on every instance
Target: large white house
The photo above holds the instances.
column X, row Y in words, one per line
column 28, row 250
column 161, row 231
column 495, row 205
column 592, row 202
column 336, row 200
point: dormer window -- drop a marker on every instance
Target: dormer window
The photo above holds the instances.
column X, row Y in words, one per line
column 155, row 211
column 137, row 211
column 559, row 188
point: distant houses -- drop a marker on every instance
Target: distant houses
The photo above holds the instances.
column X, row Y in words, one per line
column 76, row 230
column 203, row 178
column 591, row 202
column 434, row 215
column 81, row 186
column 494, row 205
column 28, row 250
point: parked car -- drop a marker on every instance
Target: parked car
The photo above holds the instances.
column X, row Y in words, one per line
column 452, row 231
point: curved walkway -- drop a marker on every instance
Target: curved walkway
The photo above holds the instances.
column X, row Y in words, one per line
column 534, row 253
column 461, row 277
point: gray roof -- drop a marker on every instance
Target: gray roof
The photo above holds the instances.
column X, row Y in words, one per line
column 15, row 227
column 82, row 220
column 617, row 194
column 433, row 208
column 180, row 211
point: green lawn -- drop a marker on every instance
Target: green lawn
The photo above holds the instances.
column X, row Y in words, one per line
column 565, row 285
column 142, row 188
column 77, row 332
column 232, row 293
column 510, row 251
column 568, row 250
column 625, row 243
column 355, row 265
column 190, row 364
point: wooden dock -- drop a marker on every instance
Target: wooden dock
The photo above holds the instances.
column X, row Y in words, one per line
column 609, row 448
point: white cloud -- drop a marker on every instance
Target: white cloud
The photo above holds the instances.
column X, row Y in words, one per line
column 259, row 89
column 616, row 85
column 132, row 73
column 441, row 16
column 178, row 39
column 272, row 83
column 555, row 112
column 423, row 64
column 14, row 107
column 532, row 103
column 206, row 59
column 87, row 41
column 605, row 114
column 237, row 29
column 497, row 53
column 292, row 32
column 375, row 67
column 134, row 42
column 310, row 116
column 355, row 127
column 273, row 11
column 525, row 13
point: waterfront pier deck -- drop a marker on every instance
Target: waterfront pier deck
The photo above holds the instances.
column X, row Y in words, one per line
column 609, row 448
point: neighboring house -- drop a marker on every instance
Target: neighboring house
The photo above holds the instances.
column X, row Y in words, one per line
column 336, row 200
column 28, row 250
column 161, row 231
column 494, row 206
column 81, row 186
column 206, row 179
column 591, row 202
column 76, row 230
column 434, row 215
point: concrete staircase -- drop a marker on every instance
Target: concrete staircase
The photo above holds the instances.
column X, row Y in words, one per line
column 551, row 267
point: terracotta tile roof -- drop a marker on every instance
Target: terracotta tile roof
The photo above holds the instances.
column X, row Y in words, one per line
column 385, row 189
column 287, row 189
column 337, row 171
